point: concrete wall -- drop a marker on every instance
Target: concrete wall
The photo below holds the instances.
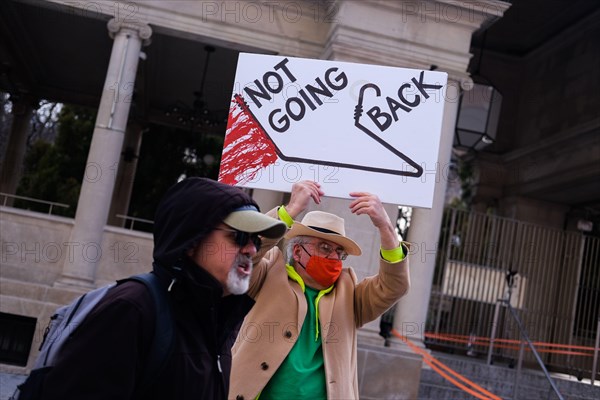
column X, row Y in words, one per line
column 38, row 245
column 549, row 91
column 33, row 247
column 548, row 130
column 560, row 84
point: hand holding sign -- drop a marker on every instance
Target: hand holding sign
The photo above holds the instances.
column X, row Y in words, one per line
column 369, row 204
column 302, row 192
column 294, row 119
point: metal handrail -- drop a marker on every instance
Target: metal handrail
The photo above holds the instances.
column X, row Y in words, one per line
column 133, row 220
column 50, row 203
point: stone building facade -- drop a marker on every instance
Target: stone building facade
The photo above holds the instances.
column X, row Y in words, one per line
column 47, row 260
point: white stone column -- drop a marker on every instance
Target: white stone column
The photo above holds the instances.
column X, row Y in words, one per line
column 126, row 174
column 12, row 167
column 425, row 224
column 267, row 199
column 85, row 242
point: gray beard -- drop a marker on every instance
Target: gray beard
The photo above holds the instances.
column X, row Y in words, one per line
column 237, row 284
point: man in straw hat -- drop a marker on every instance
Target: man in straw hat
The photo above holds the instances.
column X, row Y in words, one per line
column 299, row 339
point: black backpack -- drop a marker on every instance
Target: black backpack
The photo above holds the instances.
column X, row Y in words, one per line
column 67, row 318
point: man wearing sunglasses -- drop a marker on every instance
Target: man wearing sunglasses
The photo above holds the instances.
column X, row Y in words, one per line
column 299, row 341
column 206, row 238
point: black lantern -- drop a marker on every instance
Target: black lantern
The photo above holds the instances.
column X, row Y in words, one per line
column 477, row 120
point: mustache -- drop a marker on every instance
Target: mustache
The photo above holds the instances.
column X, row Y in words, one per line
column 242, row 259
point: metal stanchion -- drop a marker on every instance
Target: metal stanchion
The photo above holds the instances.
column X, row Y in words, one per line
column 494, row 328
column 510, row 282
column 595, row 363
column 519, row 367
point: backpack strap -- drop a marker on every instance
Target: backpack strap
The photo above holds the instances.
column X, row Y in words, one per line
column 163, row 341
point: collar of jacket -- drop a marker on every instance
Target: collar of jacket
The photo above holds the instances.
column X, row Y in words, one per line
column 188, row 283
column 186, row 273
column 293, row 275
column 188, row 280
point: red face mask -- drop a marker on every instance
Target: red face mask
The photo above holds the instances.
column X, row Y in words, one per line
column 325, row 271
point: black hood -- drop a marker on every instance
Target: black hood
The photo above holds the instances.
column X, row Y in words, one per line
column 188, row 212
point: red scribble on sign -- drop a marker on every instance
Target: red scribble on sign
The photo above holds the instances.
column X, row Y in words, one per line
column 246, row 149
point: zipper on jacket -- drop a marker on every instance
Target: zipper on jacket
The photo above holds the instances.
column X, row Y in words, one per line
column 219, row 363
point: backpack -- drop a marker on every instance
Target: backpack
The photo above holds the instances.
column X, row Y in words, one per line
column 66, row 319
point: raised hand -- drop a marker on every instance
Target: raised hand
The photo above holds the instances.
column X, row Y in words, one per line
column 370, row 204
column 302, row 193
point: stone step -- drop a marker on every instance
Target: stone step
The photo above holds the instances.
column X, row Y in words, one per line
column 427, row 391
column 32, row 274
column 500, row 380
column 490, row 375
column 36, row 292
column 506, row 392
column 436, row 392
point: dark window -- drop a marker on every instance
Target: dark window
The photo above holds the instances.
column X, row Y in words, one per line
column 16, row 336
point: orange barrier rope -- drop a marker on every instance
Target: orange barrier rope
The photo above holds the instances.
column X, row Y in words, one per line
column 513, row 347
column 439, row 367
column 431, row 334
column 499, row 343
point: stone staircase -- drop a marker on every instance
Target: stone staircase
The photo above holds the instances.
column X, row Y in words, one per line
column 26, row 298
column 500, row 380
column 34, row 300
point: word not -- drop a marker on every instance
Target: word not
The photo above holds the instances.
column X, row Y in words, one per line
column 295, row 107
column 383, row 120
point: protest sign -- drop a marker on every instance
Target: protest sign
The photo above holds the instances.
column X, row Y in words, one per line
column 350, row 127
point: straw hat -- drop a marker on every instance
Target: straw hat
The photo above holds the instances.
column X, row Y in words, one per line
column 325, row 226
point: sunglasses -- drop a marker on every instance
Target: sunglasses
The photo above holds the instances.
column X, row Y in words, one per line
column 242, row 238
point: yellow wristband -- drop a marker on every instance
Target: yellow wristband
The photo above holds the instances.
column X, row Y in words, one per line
column 393, row 255
column 284, row 216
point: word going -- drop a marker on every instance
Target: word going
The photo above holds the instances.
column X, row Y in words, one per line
column 295, row 107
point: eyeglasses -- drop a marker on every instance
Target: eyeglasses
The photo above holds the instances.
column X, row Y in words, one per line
column 326, row 250
column 242, row 238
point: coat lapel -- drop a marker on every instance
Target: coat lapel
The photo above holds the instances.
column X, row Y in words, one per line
column 326, row 312
column 301, row 299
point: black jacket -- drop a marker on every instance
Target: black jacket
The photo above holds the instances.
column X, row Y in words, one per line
column 105, row 357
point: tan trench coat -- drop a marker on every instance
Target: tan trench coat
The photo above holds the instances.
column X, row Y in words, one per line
column 271, row 328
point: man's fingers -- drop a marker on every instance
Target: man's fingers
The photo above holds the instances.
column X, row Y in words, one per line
column 313, row 189
column 302, row 192
column 362, row 206
column 363, row 199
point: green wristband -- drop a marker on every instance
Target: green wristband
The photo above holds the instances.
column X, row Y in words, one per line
column 284, row 216
column 393, row 255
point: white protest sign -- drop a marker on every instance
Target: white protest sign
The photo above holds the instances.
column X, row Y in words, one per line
column 350, row 127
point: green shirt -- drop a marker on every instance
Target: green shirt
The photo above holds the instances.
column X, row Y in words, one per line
column 302, row 373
